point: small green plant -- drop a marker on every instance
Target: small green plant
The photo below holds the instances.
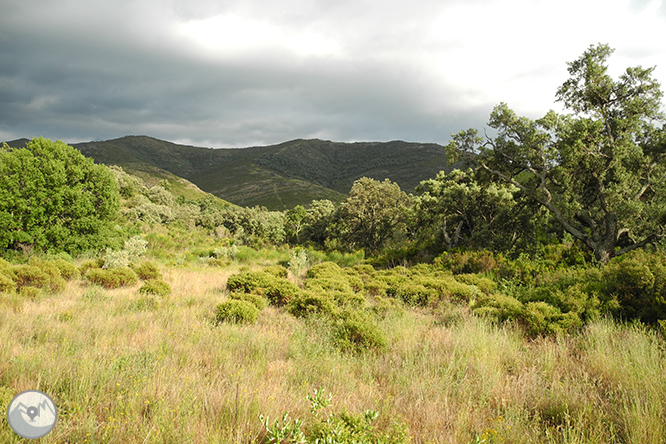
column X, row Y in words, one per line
column 258, row 301
column 237, row 312
column 338, row 428
column 287, row 430
column 147, row 270
column 112, row 278
column 356, row 331
column 155, row 286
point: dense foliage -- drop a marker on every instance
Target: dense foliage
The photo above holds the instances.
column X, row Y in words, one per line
column 600, row 171
column 53, row 198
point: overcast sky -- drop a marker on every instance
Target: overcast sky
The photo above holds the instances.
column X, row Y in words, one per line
column 232, row 73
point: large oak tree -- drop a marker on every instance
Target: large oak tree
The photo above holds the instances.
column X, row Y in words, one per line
column 600, row 170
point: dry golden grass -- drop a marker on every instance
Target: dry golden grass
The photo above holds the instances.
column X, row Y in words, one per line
column 129, row 368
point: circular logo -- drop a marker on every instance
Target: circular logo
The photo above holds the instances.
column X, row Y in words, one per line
column 32, row 414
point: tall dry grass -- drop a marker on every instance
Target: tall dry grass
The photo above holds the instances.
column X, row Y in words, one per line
column 128, row 368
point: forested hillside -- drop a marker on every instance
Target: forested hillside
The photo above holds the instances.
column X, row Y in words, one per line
column 279, row 176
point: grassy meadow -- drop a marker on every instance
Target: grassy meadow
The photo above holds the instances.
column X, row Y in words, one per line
column 130, row 367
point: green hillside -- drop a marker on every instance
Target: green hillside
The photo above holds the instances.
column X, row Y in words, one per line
column 278, row 176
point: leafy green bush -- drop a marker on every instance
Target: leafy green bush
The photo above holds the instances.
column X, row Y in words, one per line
column 486, row 285
column 31, row 276
column 356, row 331
column 638, row 280
column 111, row 278
column 67, row 270
column 52, row 198
column 280, row 291
column 7, row 284
column 147, row 270
column 258, row 301
column 276, row 271
column 89, row 264
column 309, row 302
column 155, row 286
column 468, row 262
column 248, row 282
column 416, row 295
column 499, row 307
column 236, row 311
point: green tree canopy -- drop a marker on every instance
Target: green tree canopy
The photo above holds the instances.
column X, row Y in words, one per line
column 600, row 171
column 54, row 198
column 455, row 210
column 372, row 213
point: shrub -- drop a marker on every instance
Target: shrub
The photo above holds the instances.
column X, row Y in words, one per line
column 7, row 284
column 31, row 276
column 467, row 262
column 280, row 291
column 247, row 281
column 258, row 301
column 486, row 285
column 236, row 311
column 276, row 271
column 308, row 302
column 499, row 307
column 155, row 286
column 416, row 295
column 325, row 269
column 540, row 318
column 89, row 264
column 382, row 307
column 356, row 331
column 67, row 270
column 112, row 278
column 147, row 270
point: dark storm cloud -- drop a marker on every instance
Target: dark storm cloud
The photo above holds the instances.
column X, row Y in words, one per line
column 350, row 70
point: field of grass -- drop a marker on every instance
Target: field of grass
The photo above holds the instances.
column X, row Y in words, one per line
column 127, row 367
column 124, row 367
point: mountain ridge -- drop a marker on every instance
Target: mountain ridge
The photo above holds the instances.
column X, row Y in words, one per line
column 275, row 176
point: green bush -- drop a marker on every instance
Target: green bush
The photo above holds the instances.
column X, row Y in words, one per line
column 280, row 291
column 67, row 269
column 31, row 276
column 540, row 318
column 638, row 280
column 155, row 286
column 325, row 269
column 499, row 307
column 276, row 271
column 147, row 270
column 236, row 311
column 356, row 331
column 7, row 284
column 111, row 278
column 468, row 262
column 248, row 282
column 258, row 301
column 486, row 285
column 308, row 303
column 416, row 295
column 89, row 264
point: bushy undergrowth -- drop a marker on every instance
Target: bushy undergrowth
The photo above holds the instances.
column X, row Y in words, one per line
column 341, row 427
column 236, row 311
column 37, row 276
column 155, row 286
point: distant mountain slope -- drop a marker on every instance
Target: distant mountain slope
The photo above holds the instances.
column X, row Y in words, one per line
column 278, row 176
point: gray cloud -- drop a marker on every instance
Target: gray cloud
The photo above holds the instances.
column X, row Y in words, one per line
column 79, row 70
